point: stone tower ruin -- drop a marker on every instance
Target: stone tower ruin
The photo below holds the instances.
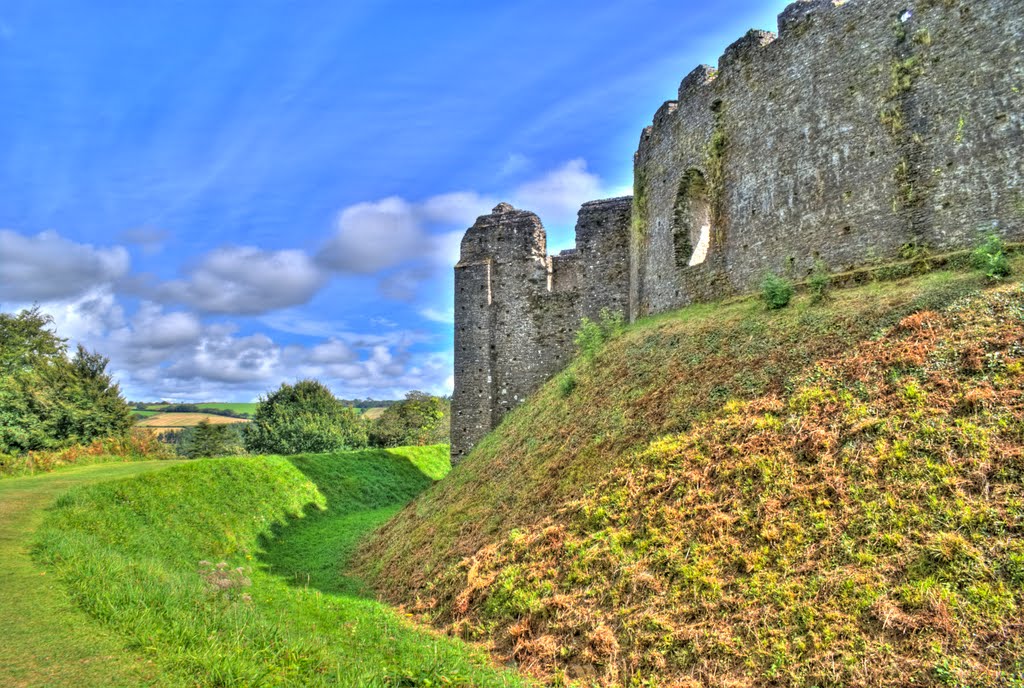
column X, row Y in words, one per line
column 859, row 130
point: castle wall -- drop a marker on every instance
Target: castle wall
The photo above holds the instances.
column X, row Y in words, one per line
column 865, row 128
column 862, row 128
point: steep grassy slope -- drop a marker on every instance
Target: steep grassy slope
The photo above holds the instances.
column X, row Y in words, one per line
column 171, row 562
column 828, row 495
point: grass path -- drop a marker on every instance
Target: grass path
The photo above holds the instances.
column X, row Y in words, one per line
column 48, row 641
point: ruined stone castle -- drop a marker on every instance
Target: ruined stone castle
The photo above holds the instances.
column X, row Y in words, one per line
column 860, row 129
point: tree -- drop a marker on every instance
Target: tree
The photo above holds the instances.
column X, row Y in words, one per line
column 208, row 439
column 26, row 339
column 419, row 419
column 304, row 417
column 50, row 401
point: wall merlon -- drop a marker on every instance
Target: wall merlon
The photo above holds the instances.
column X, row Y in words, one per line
column 745, row 49
column 666, row 110
column 505, row 234
column 793, row 18
column 696, row 82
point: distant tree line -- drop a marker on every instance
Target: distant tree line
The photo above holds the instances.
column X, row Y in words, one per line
column 307, row 418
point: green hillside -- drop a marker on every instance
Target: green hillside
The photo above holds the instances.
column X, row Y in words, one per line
column 227, row 572
column 826, row 495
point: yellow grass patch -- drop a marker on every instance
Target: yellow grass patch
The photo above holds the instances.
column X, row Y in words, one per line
column 184, row 420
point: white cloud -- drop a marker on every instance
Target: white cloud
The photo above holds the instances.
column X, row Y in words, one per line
column 48, row 267
column 457, row 208
column 557, row 196
column 150, row 239
column 332, row 351
column 439, row 316
column 246, row 281
column 374, row 236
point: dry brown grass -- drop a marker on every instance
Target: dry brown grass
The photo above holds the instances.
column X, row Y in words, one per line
column 184, row 420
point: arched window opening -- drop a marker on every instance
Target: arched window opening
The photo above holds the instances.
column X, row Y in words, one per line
column 691, row 222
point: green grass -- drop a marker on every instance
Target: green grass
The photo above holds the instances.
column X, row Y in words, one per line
column 129, row 552
column 237, row 407
column 47, row 640
column 143, row 414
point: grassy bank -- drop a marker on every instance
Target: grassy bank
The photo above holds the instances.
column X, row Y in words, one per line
column 47, row 640
column 136, row 446
column 827, row 495
column 132, row 555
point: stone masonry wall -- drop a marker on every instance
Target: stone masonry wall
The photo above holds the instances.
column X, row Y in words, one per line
column 863, row 130
column 517, row 309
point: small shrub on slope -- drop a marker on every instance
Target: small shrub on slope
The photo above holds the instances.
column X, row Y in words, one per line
column 990, row 257
column 819, row 282
column 776, row 292
column 593, row 334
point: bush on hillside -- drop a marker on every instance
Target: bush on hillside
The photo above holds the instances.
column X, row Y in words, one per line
column 207, row 439
column 990, row 257
column 304, row 417
column 819, row 282
column 593, row 334
column 776, row 291
column 420, row 419
column 48, row 399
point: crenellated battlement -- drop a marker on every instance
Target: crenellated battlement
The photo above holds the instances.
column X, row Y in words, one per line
column 860, row 129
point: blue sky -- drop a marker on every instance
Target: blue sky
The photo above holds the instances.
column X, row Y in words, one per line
column 223, row 196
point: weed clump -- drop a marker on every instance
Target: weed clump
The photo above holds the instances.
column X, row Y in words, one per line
column 224, row 581
column 990, row 257
column 567, row 383
column 819, row 282
column 776, row 291
column 593, row 334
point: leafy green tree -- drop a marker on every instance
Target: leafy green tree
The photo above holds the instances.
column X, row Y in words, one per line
column 26, row 339
column 208, row 439
column 48, row 400
column 304, row 417
column 419, row 419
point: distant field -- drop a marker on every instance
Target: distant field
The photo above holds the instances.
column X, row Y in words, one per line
column 240, row 407
column 183, row 420
column 373, row 413
column 143, row 414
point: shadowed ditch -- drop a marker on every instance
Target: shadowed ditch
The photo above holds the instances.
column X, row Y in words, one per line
column 362, row 490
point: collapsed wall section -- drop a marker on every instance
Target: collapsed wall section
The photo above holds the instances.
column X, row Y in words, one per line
column 517, row 309
column 864, row 129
